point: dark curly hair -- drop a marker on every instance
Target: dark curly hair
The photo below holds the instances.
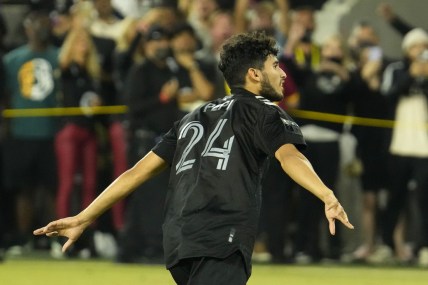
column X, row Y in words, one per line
column 244, row 51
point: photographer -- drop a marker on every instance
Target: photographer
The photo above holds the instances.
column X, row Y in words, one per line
column 326, row 90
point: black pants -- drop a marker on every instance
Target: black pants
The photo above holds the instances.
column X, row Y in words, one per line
column 211, row 271
column 402, row 170
column 324, row 157
column 277, row 209
column 141, row 238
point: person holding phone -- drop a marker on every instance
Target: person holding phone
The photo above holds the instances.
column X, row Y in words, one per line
column 368, row 102
column 325, row 90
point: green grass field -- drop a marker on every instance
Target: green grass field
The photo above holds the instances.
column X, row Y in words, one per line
column 69, row 272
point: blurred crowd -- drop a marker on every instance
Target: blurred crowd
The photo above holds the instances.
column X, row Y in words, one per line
column 159, row 60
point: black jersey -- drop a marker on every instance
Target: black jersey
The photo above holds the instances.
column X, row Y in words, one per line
column 217, row 155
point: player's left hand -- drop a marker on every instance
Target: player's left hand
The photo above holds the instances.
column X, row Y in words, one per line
column 334, row 211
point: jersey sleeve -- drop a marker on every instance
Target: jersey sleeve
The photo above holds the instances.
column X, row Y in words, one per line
column 165, row 148
column 275, row 129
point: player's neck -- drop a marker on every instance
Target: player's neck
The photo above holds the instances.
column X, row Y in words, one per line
column 255, row 89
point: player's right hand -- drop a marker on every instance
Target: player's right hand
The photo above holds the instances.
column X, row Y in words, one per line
column 334, row 211
column 71, row 228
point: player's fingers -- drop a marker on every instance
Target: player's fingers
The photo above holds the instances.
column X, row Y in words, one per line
column 343, row 218
column 54, row 226
column 332, row 226
column 47, row 229
column 67, row 245
column 52, row 234
column 347, row 223
column 40, row 231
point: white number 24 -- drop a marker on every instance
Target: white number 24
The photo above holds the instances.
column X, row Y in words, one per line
column 198, row 130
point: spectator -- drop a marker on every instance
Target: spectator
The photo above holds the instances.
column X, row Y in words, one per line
column 105, row 29
column 76, row 142
column 129, row 51
column 405, row 84
column 28, row 156
column 367, row 101
column 151, row 97
column 97, row 15
column 196, row 76
column 326, row 90
column 165, row 15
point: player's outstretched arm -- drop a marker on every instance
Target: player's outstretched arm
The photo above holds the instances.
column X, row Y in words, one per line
column 73, row 227
column 297, row 166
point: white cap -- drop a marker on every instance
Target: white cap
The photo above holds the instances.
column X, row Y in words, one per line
column 415, row 36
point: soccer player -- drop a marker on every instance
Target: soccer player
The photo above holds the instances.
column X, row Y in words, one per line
column 217, row 156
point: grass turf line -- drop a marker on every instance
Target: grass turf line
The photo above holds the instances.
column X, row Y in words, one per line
column 74, row 272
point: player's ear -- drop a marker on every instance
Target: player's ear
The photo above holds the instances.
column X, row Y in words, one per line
column 254, row 74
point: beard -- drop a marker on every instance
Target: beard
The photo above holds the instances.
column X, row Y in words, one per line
column 268, row 92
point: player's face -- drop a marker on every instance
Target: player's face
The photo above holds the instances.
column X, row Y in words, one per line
column 273, row 80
